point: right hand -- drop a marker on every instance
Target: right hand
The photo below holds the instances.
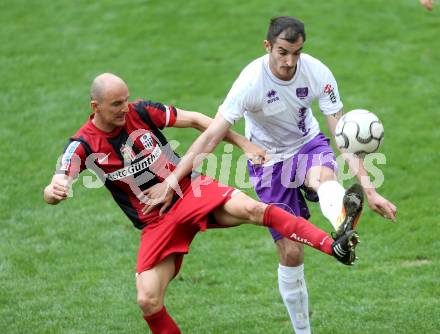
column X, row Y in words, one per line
column 58, row 189
column 382, row 206
column 160, row 195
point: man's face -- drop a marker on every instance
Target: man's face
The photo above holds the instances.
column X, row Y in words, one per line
column 283, row 56
column 113, row 107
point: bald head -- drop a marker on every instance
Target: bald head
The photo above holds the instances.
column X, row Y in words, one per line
column 104, row 83
column 109, row 102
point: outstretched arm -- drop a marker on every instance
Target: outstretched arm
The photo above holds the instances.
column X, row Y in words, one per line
column 161, row 194
column 376, row 202
column 203, row 145
column 201, row 122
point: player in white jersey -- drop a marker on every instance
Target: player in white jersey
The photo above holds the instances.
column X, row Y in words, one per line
column 274, row 94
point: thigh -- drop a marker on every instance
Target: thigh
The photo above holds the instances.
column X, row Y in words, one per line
column 277, row 192
column 240, row 209
column 168, row 235
column 320, row 166
column 153, row 282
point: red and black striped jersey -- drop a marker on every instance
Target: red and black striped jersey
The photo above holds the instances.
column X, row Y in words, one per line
column 129, row 159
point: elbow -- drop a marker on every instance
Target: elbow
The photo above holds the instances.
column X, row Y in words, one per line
column 212, row 143
column 200, row 122
column 207, row 142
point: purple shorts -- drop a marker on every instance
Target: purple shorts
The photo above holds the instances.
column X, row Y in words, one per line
column 281, row 183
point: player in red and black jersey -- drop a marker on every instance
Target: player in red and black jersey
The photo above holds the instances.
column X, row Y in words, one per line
column 122, row 143
column 128, row 159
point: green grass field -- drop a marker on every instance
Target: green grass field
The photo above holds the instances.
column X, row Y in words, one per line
column 70, row 268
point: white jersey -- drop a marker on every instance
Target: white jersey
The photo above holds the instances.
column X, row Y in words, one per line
column 278, row 113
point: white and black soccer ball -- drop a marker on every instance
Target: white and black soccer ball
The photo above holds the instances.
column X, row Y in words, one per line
column 359, row 132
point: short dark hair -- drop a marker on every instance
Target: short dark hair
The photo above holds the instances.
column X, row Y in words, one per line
column 292, row 27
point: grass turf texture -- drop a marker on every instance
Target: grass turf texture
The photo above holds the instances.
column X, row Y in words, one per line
column 69, row 269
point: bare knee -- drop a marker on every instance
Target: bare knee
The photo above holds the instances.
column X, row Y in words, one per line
column 151, row 285
column 149, row 303
column 291, row 253
column 318, row 175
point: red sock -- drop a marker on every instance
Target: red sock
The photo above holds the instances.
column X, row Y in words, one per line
column 297, row 229
column 161, row 323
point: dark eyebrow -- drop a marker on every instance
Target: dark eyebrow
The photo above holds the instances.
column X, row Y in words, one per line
column 284, row 50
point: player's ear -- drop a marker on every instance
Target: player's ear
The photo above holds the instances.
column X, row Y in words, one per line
column 94, row 105
column 266, row 45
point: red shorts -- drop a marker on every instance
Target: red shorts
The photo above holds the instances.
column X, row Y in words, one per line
column 175, row 230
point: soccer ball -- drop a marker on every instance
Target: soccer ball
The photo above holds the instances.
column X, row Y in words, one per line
column 359, row 132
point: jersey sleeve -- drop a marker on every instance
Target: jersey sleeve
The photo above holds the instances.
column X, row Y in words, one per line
column 159, row 114
column 329, row 100
column 237, row 101
column 72, row 162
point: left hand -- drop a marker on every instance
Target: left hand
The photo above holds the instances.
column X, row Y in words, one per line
column 428, row 4
column 382, row 206
column 161, row 194
column 256, row 154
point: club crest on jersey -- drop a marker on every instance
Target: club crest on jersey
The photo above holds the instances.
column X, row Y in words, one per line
column 272, row 96
column 147, row 141
column 127, row 152
column 302, row 92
